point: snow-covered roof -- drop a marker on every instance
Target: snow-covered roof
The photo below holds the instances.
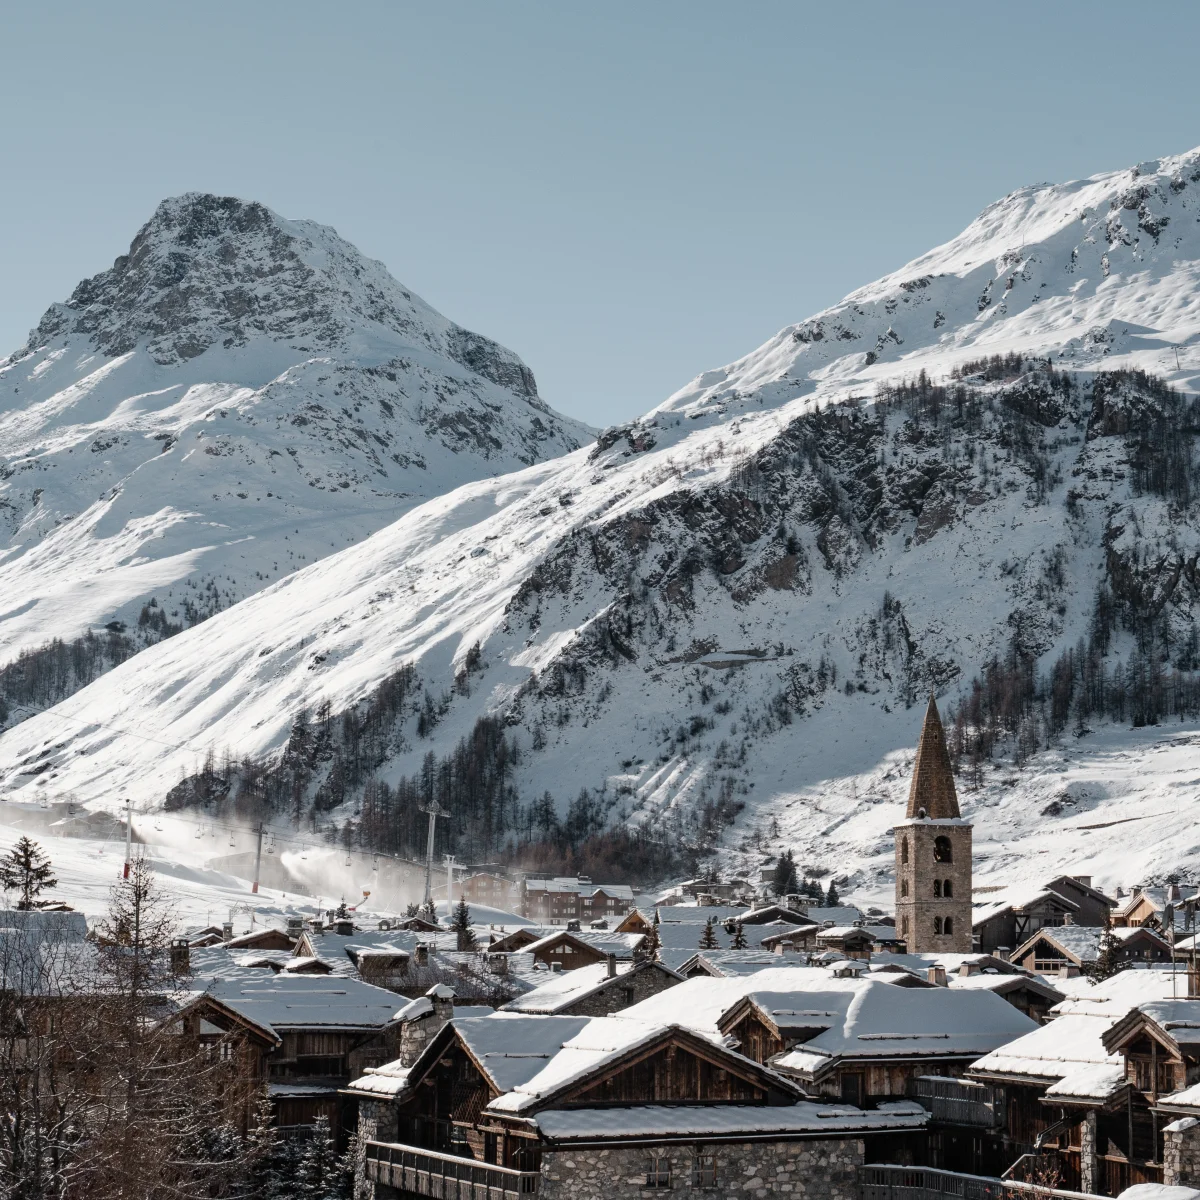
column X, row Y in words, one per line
column 285, row 1002
column 1019, row 897
column 1115, row 996
column 296, row 1091
column 388, row 1080
column 601, row 1041
column 1095, row 1081
column 512, row 1048
column 738, row 962
column 1180, row 1018
column 866, row 1017
column 566, row 988
column 657, row 1120
column 1159, row 1191
column 1052, row 1052
column 1186, row 1098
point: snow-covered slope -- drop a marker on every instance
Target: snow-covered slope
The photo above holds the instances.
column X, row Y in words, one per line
column 237, row 396
column 734, row 601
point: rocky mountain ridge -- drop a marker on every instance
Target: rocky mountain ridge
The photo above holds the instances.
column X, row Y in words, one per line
column 713, row 624
column 237, row 396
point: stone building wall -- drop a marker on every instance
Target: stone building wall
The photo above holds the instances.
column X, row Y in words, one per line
column 621, row 992
column 814, row 1170
column 1181, row 1153
column 377, row 1122
column 417, row 1033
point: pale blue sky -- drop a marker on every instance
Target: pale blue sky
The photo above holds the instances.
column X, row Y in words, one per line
column 625, row 194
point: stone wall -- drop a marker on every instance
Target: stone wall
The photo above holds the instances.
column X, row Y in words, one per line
column 417, row 1033
column 815, row 1170
column 1181, row 1153
column 621, row 992
column 377, row 1122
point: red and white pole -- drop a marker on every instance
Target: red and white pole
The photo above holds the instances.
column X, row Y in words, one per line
column 128, row 837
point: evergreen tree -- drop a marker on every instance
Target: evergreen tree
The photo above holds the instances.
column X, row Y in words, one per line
column 784, row 881
column 342, row 912
column 320, row 1169
column 1108, row 953
column 267, row 1172
column 708, row 939
column 413, row 910
column 832, row 899
column 740, row 941
column 461, row 924
column 26, row 869
column 652, row 942
column 429, row 913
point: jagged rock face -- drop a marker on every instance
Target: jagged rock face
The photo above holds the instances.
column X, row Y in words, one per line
column 738, row 600
column 237, row 396
column 208, row 270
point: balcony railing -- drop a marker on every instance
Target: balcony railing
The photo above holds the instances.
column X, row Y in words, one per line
column 959, row 1101
column 445, row 1176
column 927, row 1183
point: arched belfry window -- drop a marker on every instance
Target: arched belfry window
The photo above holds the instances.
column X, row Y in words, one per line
column 937, row 926
column 947, row 888
column 904, row 852
column 942, row 850
column 937, row 889
column 903, row 889
column 948, row 925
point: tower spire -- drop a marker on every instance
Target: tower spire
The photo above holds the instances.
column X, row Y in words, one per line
column 932, row 788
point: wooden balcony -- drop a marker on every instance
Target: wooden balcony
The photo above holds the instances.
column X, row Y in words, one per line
column 959, row 1101
column 885, row 1182
column 445, row 1176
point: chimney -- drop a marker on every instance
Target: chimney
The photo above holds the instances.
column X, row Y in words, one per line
column 181, row 956
column 344, row 927
column 612, row 966
column 318, row 925
column 1173, row 894
column 443, row 1002
column 1003, row 953
column 937, row 975
column 422, row 955
column 1068, row 971
column 498, row 964
column 1068, row 919
column 778, row 948
column 384, row 925
column 1086, row 880
column 967, row 969
column 556, row 968
column 227, row 931
column 295, row 927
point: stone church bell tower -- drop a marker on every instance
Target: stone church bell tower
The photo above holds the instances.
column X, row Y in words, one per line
column 933, row 853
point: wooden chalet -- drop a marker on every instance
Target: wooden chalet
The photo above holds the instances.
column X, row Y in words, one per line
column 862, row 1039
column 1016, row 915
column 519, row 1104
column 1075, row 948
column 1059, row 1100
column 306, row 1037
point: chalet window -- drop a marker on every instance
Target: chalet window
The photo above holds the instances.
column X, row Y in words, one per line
column 904, row 851
column 491, row 1148
column 942, row 850
column 704, row 1171
column 658, row 1173
column 852, row 1089
column 947, row 888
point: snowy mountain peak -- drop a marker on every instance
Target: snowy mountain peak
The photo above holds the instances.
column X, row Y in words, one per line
column 1096, row 271
column 236, row 397
column 208, row 270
